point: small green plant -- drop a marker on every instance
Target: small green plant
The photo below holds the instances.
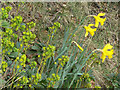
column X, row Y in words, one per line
column 85, row 80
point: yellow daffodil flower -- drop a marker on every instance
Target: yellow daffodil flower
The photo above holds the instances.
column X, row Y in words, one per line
column 107, row 51
column 89, row 29
column 78, row 45
column 99, row 19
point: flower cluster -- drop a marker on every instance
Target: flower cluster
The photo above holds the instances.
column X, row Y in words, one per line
column 15, row 33
column 16, row 22
column 23, row 60
column 33, row 64
column 93, row 60
column 35, row 78
column 31, row 25
column 54, row 28
column 63, row 60
column 7, row 45
column 28, row 36
column 91, row 28
column 48, row 51
column 97, row 87
column 22, row 27
column 85, row 78
column 4, row 65
column 5, row 12
column 53, row 79
column 21, row 82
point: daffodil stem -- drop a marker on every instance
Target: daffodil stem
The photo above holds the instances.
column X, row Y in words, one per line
column 77, row 83
column 48, row 40
column 92, row 62
column 89, row 42
column 53, row 84
column 92, row 52
column 86, row 68
column 58, row 69
column 90, row 15
column 97, row 50
column 44, row 63
column 43, row 66
column 48, row 85
column 40, row 65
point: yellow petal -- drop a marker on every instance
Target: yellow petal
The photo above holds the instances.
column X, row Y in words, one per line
column 101, row 14
column 94, row 29
column 92, row 33
column 103, row 57
column 90, row 25
column 110, row 53
column 80, row 47
column 96, row 23
column 102, row 21
column 110, row 56
column 107, row 46
column 86, row 28
column 95, row 17
column 86, row 34
column 98, row 19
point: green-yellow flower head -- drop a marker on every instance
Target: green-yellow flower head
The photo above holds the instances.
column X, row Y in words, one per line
column 107, row 51
column 89, row 29
column 99, row 19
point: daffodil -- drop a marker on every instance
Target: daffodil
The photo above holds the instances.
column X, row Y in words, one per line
column 99, row 18
column 107, row 51
column 90, row 29
column 78, row 45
